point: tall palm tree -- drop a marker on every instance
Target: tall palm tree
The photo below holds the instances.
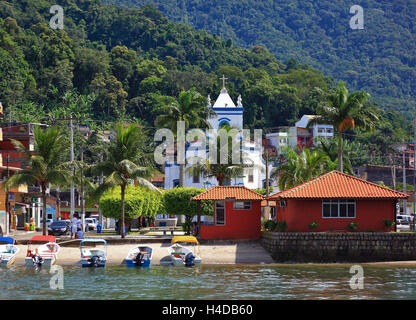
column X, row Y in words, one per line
column 125, row 161
column 191, row 108
column 44, row 164
column 300, row 168
column 222, row 170
column 345, row 111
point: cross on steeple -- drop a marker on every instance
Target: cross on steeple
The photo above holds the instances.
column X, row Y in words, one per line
column 223, row 80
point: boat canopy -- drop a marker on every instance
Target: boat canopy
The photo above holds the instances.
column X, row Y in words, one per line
column 191, row 239
column 43, row 239
column 7, row 240
column 93, row 240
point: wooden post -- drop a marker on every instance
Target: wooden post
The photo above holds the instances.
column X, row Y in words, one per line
column 198, row 206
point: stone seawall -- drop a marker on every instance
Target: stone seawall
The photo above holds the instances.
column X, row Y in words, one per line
column 339, row 247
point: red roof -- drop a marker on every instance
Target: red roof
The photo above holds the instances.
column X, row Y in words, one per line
column 229, row 192
column 43, row 238
column 336, row 184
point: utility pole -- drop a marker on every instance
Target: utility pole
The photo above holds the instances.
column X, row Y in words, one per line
column 404, row 183
column 72, row 209
column 82, row 193
column 414, row 172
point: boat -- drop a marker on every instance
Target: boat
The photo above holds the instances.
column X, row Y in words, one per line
column 180, row 252
column 139, row 256
column 39, row 254
column 8, row 251
column 93, row 256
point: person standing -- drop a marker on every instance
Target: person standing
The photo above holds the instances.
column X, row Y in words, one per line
column 74, row 226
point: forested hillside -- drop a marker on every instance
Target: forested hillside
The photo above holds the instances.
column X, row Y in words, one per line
column 380, row 58
column 110, row 64
column 130, row 63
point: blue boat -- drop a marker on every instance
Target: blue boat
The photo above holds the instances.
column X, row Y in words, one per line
column 91, row 256
column 139, row 256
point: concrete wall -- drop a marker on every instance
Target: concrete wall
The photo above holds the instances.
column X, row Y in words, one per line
column 339, row 247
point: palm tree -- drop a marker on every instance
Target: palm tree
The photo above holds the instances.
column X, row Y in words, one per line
column 191, row 108
column 44, row 164
column 221, row 170
column 345, row 112
column 301, row 167
column 125, row 161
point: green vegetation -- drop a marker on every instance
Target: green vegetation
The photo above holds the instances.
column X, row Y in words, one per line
column 139, row 202
column 345, row 111
column 313, row 225
column 177, row 201
column 352, row 226
column 45, row 164
column 123, row 164
column 378, row 59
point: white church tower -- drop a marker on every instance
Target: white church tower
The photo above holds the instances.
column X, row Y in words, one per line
column 227, row 113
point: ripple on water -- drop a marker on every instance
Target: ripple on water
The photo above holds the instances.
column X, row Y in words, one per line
column 209, row 282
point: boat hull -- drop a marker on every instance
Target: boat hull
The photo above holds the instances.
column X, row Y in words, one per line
column 85, row 264
column 130, row 263
column 47, row 262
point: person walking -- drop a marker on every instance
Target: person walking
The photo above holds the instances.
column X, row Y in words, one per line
column 74, row 227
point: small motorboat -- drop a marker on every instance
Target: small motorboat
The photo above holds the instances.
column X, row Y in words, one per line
column 8, row 251
column 42, row 251
column 91, row 255
column 140, row 256
column 182, row 254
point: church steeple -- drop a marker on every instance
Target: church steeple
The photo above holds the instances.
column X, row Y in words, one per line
column 227, row 112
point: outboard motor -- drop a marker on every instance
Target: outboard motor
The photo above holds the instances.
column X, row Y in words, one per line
column 138, row 260
column 94, row 261
column 189, row 260
column 37, row 260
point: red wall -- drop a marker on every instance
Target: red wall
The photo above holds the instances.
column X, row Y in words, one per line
column 369, row 215
column 239, row 224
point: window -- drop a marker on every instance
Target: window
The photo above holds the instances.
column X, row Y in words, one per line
column 242, row 205
column 338, row 208
column 195, row 178
column 220, row 213
column 250, row 175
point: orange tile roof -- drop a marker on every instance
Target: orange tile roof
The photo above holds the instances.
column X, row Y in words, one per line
column 336, row 184
column 229, row 192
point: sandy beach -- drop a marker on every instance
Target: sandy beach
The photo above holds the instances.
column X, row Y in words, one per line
column 239, row 253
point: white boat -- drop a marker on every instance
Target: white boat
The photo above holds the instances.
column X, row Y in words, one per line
column 139, row 256
column 93, row 256
column 184, row 251
column 39, row 254
column 8, row 251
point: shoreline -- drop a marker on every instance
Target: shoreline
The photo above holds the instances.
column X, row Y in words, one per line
column 249, row 253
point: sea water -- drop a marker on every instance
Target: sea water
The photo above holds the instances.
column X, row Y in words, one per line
column 208, row 282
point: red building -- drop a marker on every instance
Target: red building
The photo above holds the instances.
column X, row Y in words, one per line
column 237, row 213
column 335, row 199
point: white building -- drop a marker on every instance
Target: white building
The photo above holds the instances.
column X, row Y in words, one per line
column 299, row 135
column 227, row 113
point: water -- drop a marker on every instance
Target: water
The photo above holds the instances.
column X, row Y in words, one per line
column 210, row 282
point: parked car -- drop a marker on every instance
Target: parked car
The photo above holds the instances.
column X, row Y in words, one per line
column 58, row 227
column 48, row 222
column 90, row 224
column 402, row 217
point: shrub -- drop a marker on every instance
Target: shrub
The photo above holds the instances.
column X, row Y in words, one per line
column 352, row 226
column 177, row 201
column 388, row 223
column 138, row 201
column 270, row 225
column 313, row 225
column 281, row 226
